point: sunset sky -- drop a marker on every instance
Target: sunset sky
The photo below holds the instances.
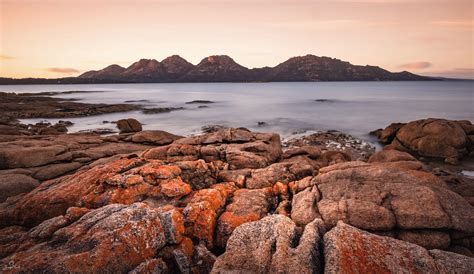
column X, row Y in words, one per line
column 58, row 38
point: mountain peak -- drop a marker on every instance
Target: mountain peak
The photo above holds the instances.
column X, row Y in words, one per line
column 175, row 66
column 218, row 59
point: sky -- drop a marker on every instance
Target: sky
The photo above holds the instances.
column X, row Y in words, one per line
column 59, row 38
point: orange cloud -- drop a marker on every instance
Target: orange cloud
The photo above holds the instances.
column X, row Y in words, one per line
column 416, row 65
column 63, row 70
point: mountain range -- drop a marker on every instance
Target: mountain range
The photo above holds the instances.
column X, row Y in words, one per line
column 222, row 68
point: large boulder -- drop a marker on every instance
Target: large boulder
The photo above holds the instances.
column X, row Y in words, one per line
column 272, row 245
column 114, row 238
column 239, row 148
column 350, row 250
column 437, row 138
column 129, row 125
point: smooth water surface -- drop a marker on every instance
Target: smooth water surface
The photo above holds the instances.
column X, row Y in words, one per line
column 352, row 107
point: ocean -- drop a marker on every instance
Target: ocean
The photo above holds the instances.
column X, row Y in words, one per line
column 288, row 108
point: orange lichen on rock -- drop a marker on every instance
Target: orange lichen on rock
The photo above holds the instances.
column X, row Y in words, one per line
column 246, row 206
column 350, row 250
column 114, row 238
column 175, row 188
column 202, row 210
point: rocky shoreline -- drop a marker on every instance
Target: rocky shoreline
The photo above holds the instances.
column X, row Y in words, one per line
column 236, row 200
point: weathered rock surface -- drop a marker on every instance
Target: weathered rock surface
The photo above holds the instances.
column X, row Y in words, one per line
column 49, row 157
column 114, row 238
column 122, row 181
column 273, row 245
column 350, row 250
column 303, row 206
column 202, row 211
column 381, row 197
column 239, row 148
column 246, row 205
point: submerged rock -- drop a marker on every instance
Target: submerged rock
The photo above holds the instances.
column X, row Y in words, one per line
column 160, row 110
column 200, row 102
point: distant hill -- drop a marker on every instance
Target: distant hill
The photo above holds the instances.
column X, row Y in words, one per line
column 222, row 68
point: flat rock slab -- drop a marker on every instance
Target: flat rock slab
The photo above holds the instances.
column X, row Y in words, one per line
column 350, row 250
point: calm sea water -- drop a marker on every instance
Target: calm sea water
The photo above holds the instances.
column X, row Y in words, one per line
column 287, row 108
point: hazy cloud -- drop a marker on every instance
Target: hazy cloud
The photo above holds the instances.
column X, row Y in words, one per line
column 63, row 70
column 416, row 65
column 6, row 57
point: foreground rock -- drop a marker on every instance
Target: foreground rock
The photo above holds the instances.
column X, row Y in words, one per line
column 273, row 245
column 350, row 250
column 436, row 138
column 114, row 238
column 230, row 191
